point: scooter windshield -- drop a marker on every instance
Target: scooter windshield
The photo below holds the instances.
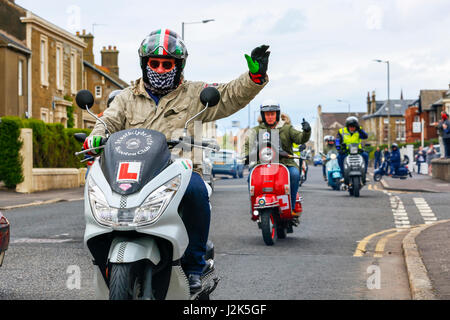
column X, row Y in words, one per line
column 132, row 158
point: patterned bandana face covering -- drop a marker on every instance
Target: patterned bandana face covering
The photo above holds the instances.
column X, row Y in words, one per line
column 160, row 83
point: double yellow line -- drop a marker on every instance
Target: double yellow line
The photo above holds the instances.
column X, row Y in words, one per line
column 379, row 249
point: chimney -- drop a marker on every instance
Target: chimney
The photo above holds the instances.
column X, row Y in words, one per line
column 110, row 59
column 88, row 52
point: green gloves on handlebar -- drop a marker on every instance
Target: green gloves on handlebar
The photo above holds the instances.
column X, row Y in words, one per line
column 93, row 142
column 257, row 63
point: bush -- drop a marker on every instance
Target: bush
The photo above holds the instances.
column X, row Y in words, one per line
column 53, row 147
column 10, row 144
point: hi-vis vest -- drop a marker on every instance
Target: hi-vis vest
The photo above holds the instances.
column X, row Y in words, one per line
column 350, row 138
column 295, row 148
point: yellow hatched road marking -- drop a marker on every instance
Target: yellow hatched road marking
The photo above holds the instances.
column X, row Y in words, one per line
column 361, row 248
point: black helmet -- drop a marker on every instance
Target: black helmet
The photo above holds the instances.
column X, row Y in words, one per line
column 352, row 121
column 270, row 105
column 163, row 43
column 111, row 97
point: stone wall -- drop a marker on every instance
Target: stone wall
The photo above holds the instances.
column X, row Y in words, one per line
column 441, row 169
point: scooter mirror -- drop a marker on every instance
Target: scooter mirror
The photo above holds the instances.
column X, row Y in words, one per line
column 210, row 96
column 84, row 99
column 80, row 136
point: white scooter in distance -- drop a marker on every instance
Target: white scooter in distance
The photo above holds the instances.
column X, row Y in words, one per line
column 134, row 231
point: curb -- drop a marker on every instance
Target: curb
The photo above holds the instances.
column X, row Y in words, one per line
column 419, row 282
column 38, row 203
column 387, row 187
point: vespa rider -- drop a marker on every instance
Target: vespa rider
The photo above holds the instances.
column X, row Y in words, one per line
column 270, row 115
column 352, row 133
column 162, row 100
column 394, row 159
column 328, row 146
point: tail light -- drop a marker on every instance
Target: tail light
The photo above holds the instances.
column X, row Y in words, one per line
column 287, row 189
column 3, row 220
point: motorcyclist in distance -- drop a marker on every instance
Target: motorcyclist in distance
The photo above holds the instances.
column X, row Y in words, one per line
column 329, row 146
column 352, row 133
column 162, row 100
column 270, row 114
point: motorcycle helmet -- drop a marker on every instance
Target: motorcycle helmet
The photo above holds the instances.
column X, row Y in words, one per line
column 270, row 105
column 326, row 139
column 163, row 43
column 111, row 97
column 394, row 145
column 331, row 140
column 352, row 121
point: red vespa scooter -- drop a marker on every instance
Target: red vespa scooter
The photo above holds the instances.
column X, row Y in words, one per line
column 270, row 196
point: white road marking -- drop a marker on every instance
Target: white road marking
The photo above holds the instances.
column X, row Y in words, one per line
column 425, row 210
column 39, row 240
column 401, row 219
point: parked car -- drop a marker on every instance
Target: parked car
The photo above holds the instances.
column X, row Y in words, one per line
column 227, row 162
column 4, row 237
column 317, row 160
column 207, row 168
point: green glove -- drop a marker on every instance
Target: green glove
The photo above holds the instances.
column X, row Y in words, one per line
column 93, row 142
column 257, row 63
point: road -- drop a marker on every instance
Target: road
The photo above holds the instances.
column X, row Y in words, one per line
column 344, row 248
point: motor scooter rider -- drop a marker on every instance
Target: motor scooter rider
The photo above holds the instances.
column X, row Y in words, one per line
column 350, row 134
column 270, row 113
column 394, row 159
column 328, row 146
column 162, row 100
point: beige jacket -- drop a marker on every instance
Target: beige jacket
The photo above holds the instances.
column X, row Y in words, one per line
column 133, row 107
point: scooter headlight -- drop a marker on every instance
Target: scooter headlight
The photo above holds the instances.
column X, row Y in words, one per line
column 150, row 210
column 155, row 204
column 103, row 213
column 266, row 155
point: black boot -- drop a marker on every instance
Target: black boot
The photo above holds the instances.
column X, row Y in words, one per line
column 195, row 283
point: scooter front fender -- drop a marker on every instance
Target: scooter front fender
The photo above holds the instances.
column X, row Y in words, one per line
column 127, row 250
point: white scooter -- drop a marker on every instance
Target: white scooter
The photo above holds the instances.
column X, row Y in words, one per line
column 134, row 231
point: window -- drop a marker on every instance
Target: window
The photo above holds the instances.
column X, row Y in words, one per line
column 416, row 118
column 20, row 77
column 385, row 120
column 98, row 91
column 44, row 60
column 59, row 67
column 401, row 132
column 432, row 117
column 44, row 115
column 73, row 72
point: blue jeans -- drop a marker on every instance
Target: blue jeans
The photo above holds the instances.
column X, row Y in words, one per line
column 294, row 174
column 377, row 163
column 196, row 215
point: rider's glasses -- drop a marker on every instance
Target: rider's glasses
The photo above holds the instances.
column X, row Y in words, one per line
column 156, row 63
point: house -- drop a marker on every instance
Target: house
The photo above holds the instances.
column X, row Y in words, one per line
column 102, row 79
column 376, row 121
column 427, row 108
column 49, row 65
column 328, row 123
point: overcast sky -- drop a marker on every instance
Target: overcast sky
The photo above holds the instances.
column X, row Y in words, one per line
column 321, row 50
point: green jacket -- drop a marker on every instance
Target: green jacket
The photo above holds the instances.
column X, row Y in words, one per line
column 288, row 136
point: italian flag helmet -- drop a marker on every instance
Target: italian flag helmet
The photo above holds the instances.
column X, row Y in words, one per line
column 163, row 43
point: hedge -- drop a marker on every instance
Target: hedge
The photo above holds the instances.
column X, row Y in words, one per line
column 53, row 147
column 10, row 158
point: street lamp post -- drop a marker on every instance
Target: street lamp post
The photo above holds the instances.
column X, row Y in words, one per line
column 344, row 101
column 195, row 22
column 388, row 100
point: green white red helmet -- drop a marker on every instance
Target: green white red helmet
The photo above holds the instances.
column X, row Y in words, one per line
column 163, row 43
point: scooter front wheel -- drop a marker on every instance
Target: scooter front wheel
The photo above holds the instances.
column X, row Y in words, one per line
column 126, row 282
column 268, row 227
column 377, row 177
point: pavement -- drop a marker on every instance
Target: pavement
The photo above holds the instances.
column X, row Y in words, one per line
column 425, row 248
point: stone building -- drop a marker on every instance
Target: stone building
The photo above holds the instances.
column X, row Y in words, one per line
column 328, row 124
column 376, row 121
column 50, row 61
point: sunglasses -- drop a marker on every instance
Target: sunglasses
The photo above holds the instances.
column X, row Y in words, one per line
column 167, row 65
